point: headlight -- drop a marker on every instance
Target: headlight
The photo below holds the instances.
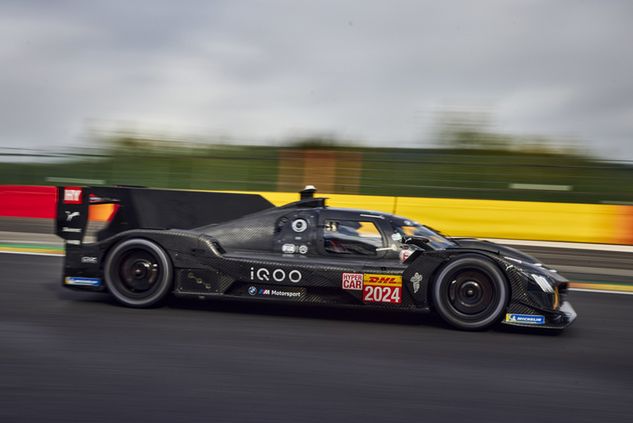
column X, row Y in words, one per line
column 542, row 282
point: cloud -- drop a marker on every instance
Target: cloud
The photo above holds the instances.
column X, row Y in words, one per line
column 259, row 70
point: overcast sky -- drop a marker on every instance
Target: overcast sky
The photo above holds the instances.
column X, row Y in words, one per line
column 265, row 70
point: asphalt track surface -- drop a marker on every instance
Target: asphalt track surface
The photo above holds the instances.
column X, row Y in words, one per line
column 70, row 356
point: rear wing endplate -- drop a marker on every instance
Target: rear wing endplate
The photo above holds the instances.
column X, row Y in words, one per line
column 146, row 208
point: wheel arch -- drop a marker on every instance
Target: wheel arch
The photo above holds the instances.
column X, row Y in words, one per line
column 476, row 254
column 477, row 307
column 148, row 254
column 174, row 244
column 430, row 265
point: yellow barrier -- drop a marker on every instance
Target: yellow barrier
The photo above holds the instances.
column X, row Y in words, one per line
column 595, row 223
column 515, row 219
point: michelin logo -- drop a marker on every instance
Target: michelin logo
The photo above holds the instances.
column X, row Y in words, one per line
column 526, row 319
column 415, row 280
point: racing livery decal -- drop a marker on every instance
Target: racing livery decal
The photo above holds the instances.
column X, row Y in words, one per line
column 353, row 281
column 278, row 275
column 69, row 280
column 382, row 288
column 287, row 293
column 72, row 195
column 527, row 319
column 415, row 281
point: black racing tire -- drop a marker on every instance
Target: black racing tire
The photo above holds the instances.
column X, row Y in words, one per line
column 470, row 293
column 138, row 273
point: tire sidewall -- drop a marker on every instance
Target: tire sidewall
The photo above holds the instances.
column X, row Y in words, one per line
column 165, row 282
column 480, row 263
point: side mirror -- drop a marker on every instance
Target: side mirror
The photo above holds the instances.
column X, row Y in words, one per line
column 412, row 247
column 417, row 241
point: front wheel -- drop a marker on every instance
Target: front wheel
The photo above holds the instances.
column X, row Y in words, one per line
column 470, row 293
column 138, row 273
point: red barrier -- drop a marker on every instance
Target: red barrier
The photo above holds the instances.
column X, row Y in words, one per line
column 28, row 201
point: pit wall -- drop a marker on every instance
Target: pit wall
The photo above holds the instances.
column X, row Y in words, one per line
column 569, row 222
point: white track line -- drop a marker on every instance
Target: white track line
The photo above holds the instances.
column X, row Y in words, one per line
column 566, row 245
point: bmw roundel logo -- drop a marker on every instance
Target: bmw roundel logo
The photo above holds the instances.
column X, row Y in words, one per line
column 252, row 290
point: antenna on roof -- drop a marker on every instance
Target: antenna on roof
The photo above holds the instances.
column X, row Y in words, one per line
column 307, row 192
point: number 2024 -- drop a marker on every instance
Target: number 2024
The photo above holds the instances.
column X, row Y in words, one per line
column 382, row 294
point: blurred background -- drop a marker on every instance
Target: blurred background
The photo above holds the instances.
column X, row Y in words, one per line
column 466, row 163
column 529, row 101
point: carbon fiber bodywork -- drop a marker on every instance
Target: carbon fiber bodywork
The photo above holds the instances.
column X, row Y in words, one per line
column 279, row 253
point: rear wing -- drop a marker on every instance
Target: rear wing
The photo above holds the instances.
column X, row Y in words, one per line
column 136, row 208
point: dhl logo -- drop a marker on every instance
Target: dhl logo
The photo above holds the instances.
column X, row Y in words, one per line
column 382, row 280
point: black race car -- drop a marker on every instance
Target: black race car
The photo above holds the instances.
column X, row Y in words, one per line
column 209, row 245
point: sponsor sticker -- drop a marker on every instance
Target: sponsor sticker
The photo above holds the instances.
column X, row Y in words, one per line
column 353, row 281
column 71, row 230
column 89, row 260
column 293, row 249
column 72, row 195
column 526, row 319
column 73, row 280
column 71, row 215
column 288, row 248
column 378, row 288
column 382, row 280
column 415, row 281
column 286, row 293
column 263, row 274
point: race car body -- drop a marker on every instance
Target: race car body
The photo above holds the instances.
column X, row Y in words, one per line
column 211, row 245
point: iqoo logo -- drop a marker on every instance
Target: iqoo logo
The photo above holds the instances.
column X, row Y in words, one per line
column 278, row 275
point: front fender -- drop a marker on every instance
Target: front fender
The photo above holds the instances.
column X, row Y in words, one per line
column 419, row 276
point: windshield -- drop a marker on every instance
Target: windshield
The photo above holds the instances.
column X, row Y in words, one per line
column 436, row 240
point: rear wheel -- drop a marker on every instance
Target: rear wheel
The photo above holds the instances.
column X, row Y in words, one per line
column 138, row 273
column 470, row 293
